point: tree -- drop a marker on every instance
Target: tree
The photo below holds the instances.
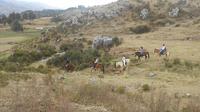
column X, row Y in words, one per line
column 16, row 26
column 28, row 15
column 3, row 19
column 13, row 17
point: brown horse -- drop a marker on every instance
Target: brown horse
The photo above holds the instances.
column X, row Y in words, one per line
column 98, row 67
column 139, row 55
column 166, row 53
column 70, row 67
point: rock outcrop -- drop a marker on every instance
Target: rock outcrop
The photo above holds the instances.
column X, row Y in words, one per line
column 84, row 16
column 143, row 9
column 102, row 42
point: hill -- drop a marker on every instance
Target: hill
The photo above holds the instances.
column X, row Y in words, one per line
column 8, row 6
column 149, row 10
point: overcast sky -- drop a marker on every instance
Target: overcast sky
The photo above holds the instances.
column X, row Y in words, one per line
column 71, row 3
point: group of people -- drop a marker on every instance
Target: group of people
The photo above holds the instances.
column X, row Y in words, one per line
column 163, row 49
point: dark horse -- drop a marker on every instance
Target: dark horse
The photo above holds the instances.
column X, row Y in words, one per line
column 70, row 67
column 99, row 67
column 139, row 55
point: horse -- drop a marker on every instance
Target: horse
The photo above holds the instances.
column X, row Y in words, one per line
column 99, row 67
column 120, row 64
column 70, row 67
column 166, row 53
column 139, row 55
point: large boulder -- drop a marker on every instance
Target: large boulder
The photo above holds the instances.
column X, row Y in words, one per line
column 102, row 42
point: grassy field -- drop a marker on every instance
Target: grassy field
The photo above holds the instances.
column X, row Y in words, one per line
column 8, row 39
column 175, row 86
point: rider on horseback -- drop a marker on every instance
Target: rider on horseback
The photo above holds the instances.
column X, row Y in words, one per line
column 96, row 62
column 163, row 49
column 124, row 61
column 141, row 51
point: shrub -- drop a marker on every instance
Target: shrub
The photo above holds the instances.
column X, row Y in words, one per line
column 177, row 61
column 12, row 67
column 57, row 61
column 146, row 87
column 71, row 46
column 16, row 26
column 188, row 64
column 42, row 69
column 89, row 42
column 140, row 29
column 24, row 57
column 21, row 56
column 117, row 41
column 81, row 59
column 168, row 64
column 120, row 89
column 47, row 50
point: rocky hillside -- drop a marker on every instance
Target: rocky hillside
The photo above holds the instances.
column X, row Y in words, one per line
column 8, row 6
column 133, row 9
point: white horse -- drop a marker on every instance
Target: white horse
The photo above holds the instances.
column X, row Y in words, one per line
column 121, row 65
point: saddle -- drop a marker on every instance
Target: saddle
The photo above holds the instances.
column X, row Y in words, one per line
column 163, row 52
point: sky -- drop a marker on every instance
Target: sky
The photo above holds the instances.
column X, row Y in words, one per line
column 64, row 4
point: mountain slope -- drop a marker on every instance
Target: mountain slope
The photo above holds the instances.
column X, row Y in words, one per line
column 8, row 6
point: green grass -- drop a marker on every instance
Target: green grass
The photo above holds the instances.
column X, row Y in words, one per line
column 26, row 33
column 4, row 55
column 9, row 39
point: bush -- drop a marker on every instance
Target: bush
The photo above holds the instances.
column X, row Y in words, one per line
column 89, row 42
column 117, row 41
column 177, row 61
column 71, row 46
column 120, row 89
column 16, row 26
column 140, row 29
column 168, row 65
column 42, row 69
column 57, row 61
column 47, row 50
column 146, row 87
column 81, row 59
column 27, row 57
column 21, row 56
column 12, row 67
column 24, row 57
column 188, row 64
